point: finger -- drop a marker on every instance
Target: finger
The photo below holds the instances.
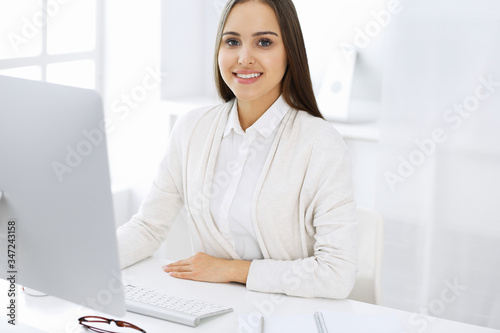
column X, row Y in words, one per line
column 179, row 269
column 182, row 275
column 184, row 262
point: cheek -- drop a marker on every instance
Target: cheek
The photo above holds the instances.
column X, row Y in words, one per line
column 224, row 62
column 278, row 63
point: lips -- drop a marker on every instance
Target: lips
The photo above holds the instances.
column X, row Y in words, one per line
column 247, row 76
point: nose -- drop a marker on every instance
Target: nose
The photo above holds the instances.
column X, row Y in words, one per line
column 246, row 57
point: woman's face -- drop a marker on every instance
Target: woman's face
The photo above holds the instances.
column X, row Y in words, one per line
column 252, row 57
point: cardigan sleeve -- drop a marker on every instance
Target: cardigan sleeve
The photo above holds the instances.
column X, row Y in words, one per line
column 148, row 228
column 330, row 271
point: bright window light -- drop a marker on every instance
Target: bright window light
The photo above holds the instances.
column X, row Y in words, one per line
column 21, row 23
column 73, row 73
column 71, row 26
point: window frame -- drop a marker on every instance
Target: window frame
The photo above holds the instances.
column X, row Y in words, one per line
column 44, row 59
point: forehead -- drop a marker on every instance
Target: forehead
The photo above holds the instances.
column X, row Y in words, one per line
column 252, row 16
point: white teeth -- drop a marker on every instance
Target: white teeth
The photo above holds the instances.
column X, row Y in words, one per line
column 248, row 76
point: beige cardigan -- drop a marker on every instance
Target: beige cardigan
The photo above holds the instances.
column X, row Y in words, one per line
column 302, row 210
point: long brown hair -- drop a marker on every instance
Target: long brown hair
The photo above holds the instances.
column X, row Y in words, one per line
column 296, row 84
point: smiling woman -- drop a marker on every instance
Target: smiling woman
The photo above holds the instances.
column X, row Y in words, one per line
column 265, row 180
column 288, row 34
column 252, row 59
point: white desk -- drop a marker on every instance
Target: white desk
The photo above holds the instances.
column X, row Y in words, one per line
column 57, row 316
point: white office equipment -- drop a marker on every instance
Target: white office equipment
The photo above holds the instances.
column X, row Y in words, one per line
column 335, row 92
column 187, row 311
column 351, row 88
column 54, row 177
column 370, row 242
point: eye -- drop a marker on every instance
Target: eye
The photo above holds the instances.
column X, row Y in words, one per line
column 265, row 42
column 232, row 42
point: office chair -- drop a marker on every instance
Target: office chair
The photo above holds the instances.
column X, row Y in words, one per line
column 370, row 239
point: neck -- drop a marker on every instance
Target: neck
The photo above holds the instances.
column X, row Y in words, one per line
column 250, row 111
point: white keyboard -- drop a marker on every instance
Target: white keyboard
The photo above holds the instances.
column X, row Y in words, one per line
column 180, row 310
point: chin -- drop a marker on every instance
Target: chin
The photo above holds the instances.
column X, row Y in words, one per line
column 246, row 95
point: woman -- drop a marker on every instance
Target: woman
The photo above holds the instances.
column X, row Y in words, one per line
column 265, row 181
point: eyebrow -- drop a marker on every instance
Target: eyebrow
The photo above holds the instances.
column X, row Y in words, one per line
column 260, row 33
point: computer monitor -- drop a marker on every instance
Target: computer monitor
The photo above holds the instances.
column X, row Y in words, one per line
column 351, row 88
column 55, row 182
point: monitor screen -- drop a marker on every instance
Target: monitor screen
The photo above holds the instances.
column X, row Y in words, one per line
column 56, row 210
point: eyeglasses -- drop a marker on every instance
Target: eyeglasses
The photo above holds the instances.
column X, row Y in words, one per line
column 87, row 322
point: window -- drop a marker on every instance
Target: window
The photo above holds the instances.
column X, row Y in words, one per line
column 57, row 41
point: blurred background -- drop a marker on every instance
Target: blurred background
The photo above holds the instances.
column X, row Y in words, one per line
column 413, row 86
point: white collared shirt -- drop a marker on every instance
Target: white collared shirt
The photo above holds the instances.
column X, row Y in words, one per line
column 239, row 164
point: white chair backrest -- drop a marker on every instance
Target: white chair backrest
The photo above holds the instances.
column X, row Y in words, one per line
column 370, row 242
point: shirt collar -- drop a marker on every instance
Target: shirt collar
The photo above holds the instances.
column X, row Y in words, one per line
column 265, row 125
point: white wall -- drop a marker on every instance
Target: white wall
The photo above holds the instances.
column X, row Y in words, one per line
column 141, row 123
column 188, row 37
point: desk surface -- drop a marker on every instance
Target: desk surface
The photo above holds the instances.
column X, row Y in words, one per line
column 54, row 315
